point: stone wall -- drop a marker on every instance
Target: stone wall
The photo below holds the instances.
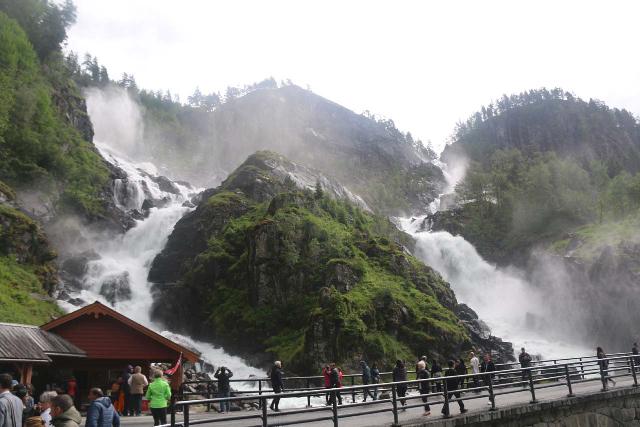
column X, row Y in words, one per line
column 613, row 408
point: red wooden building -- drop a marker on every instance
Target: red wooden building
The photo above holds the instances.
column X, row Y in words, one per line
column 111, row 342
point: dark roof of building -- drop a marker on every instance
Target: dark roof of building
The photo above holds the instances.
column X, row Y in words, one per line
column 27, row 343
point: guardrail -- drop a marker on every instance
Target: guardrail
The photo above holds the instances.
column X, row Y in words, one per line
column 316, row 382
column 488, row 385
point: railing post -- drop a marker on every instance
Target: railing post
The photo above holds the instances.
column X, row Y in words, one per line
column 173, row 414
column 260, row 401
column 185, row 416
column 208, row 397
column 566, row 371
column 263, row 406
column 633, row 371
column 532, row 387
column 394, row 403
column 334, row 407
column 445, row 406
column 492, row 397
column 353, row 391
column 602, row 375
column 581, row 369
column 309, row 396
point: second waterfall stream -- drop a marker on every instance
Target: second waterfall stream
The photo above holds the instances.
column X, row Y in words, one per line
column 502, row 298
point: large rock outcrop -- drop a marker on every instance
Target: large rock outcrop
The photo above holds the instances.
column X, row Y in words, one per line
column 268, row 269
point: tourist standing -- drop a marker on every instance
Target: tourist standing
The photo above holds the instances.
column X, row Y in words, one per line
column 101, row 412
column 223, row 376
column 45, row 407
column 21, row 391
column 158, row 395
column 326, row 374
column 400, row 374
column 11, row 407
column 366, row 379
column 375, row 379
column 335, row 384
column 475, row 370
column 117, row 395
column 137, row 383
column 487, row 367
column 63, row 413
column 636, row 357
column 126, row 389
column 277, row 384
column 423, row 386
column 452, row 386
column 604, row 365
column 72, row 389
column 436, row 372
column 461, row 369
column 525, row 362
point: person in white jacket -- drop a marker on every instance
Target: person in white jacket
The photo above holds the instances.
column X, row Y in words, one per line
column 475, row 370
column 45, row 407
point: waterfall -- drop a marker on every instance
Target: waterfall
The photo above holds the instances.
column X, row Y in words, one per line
column 514, row 309
column 117, row 275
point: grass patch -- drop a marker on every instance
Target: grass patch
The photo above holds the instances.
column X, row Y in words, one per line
column 22, row 299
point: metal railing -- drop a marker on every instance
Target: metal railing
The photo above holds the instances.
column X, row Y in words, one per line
column 316, row 382
column 487, row 385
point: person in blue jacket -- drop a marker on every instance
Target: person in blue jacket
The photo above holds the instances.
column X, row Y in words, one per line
column 101, row 412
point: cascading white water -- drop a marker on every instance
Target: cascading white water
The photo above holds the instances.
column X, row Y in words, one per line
column 129, row 256
column 502, row 298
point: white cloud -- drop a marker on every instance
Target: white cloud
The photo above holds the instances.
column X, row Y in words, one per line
column 424, row 64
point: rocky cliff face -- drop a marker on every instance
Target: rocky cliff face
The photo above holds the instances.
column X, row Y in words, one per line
column 271, row 270
column 28, row 273
column 597, row 271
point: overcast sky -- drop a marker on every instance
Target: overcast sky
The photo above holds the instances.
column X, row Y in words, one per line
column 425, row 64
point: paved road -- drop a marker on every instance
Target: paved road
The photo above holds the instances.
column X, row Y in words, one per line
column 517, row 398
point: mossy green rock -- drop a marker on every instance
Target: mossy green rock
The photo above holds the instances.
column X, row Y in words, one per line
column 28, row 273
column 269, row 270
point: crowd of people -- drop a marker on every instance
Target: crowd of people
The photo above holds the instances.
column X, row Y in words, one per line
column 59, row 407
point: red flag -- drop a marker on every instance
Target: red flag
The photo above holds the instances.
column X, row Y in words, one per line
column 173, row 370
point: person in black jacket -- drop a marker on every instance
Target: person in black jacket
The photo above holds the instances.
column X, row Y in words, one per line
column 277, row 384
column 126, row 389
column 436, row 372
column 461, row 369
column 604, row 365
column 366, row 379
column 423, row 374
column 400, row 374
column 375, row 379
column 452, row 386
column 487, row 367
column 334, row 379
column 525, row 362
column 224, row 387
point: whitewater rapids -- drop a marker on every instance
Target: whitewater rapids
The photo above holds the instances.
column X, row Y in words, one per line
column 502, row 298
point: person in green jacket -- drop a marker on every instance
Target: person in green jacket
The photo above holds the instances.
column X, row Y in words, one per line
column 64, row 413
column 158, row 395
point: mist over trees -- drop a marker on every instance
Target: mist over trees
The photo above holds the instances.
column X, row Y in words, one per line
column 542, row 163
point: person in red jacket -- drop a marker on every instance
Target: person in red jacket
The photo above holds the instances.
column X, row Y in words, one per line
column 326, row 373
